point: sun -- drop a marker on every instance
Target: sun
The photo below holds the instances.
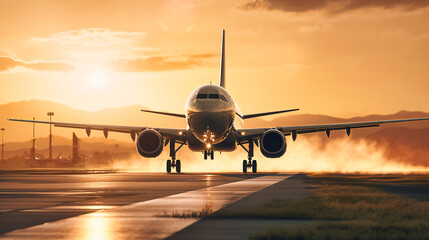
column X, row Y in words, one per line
column 97, row 79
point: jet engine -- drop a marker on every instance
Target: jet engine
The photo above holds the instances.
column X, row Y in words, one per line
column 150, row 143
column 273, row 143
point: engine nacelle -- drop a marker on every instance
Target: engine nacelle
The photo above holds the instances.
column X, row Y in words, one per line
column 150, row 143
column 273, row 143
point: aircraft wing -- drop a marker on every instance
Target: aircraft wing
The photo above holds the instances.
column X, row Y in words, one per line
column 294, row 130
column 132, row 130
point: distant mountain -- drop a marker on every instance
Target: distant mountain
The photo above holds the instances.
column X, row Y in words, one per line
column 408, row 141
column 129, row 115
column 64, row 146
column 303, row 119
column 95, row 143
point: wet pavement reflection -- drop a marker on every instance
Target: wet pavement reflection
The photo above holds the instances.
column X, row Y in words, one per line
column 152, row 219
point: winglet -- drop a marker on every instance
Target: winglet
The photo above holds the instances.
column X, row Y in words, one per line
column 222, row 62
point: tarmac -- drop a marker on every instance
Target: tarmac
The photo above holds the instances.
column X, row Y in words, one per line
column 292, row 188
column 121, row 205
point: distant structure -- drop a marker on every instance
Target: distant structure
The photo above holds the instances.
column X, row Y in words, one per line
column 2, row 144
column 50, row 114
column 75, row 156
column 33, row 149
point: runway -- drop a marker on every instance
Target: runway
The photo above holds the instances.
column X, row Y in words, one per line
column 110, row 205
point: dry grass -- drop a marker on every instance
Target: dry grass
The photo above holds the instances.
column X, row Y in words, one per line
column 349, row 207
column 373, row 180
column 204, row 212
column 336, row 202
column 350, row 230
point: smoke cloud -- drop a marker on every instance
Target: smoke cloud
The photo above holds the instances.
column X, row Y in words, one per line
column 307, row 154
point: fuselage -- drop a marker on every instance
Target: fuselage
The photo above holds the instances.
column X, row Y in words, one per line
column 210, row 112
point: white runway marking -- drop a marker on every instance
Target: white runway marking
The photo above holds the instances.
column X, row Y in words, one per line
column 146, row 220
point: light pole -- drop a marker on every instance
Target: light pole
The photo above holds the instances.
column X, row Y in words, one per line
column 50, row 114
column 33, row 149
column 2, row 144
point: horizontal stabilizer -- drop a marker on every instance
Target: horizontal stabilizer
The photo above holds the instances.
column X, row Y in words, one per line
column 267, row 113
column 166, row 113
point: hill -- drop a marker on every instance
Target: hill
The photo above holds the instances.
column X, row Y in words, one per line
column 403, row 141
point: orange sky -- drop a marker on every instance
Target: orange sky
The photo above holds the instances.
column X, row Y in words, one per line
column 339, row 58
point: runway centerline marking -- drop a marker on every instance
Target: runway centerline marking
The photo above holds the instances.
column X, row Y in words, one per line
column 149, row 219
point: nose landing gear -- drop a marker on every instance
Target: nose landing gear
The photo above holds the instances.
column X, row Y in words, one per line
column 208, row 153
column 249, row 163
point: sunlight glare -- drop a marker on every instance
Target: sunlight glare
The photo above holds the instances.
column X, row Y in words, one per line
column 97, row 79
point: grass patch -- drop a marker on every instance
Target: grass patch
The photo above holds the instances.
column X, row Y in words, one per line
column 337, row 202
column 350, row 230
column 350, row 207
column 204, row 212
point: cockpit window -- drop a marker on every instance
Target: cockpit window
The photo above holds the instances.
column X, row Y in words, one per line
column 214, row 96
column 201, row 96
column 211, row 96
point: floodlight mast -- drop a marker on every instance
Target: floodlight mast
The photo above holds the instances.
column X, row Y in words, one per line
column 2, row 143
column 50, row 114
column 33, row 149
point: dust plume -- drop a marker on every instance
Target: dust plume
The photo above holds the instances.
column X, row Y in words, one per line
column 307, row 154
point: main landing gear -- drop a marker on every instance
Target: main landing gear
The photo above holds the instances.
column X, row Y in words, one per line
column 249, row 163
column 173, row 163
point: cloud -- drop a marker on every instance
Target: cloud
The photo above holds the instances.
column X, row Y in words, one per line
column 7, row 63
column 159, row 63
column 332, row 6
column 91, row 37
column 308, row 154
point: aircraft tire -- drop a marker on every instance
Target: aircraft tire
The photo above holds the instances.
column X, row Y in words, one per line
column 169, row 166
column 244, row 166
column 254, row 166
column 178, row 166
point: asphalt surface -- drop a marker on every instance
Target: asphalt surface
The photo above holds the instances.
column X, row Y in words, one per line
column 292, row 188
column 109, row 205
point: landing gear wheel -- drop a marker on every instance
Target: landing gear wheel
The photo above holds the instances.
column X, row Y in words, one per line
column 178, row 166
column 254, row 166
column 169, row 166
column 205, row 155
column 244, row 166
column 211, row 155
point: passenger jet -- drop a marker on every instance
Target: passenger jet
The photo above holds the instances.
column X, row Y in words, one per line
column 210, row 112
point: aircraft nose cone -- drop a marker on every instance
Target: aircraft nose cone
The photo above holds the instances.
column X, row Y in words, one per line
column 210, row 127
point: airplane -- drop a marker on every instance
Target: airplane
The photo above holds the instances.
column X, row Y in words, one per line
column 210, row 112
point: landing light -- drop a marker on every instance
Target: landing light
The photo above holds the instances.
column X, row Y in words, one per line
column 242, row 133
column 180, row 133
column 208, row 145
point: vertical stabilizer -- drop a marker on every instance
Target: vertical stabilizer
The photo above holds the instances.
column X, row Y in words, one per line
column 222, row 62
